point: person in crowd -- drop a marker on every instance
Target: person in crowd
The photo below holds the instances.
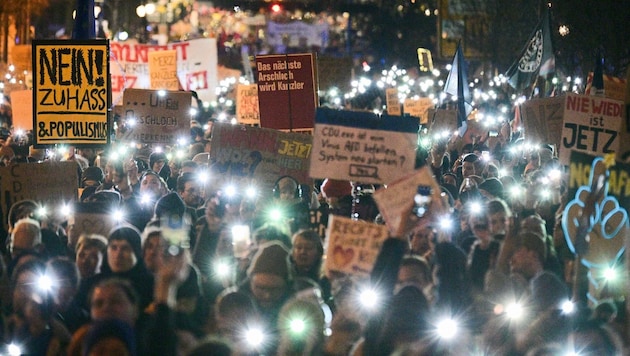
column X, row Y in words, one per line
column 26, row 236
column 190, row 191
column 234, row 315
column 64, row 278
column 422, row 241
column 416, row 271
column 90, row 251
column 499, row 217
column 92, row 177
column 483, row 252
column 306, row 255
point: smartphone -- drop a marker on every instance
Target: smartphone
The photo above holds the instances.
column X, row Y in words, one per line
column 175, row 230
column 493, row 133
column 422, row 200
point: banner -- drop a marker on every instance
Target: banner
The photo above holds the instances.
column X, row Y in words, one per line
column 251, row 154
column 22, row 109
column 247, row 108
column 163, row 70
column 397, row 202
column 197, row 63
column 419, row 107
column 352, row 246
column 591, row 124
column 48, row 183
column 287, row 91
column 363, row 147
column 297, row 34
column 155, row 116
column 614, row 88
column 70, row 92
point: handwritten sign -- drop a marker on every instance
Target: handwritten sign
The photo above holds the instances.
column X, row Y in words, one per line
column 591, row 124
column 252, row 154
column 22, row 109
column 542, row 119
column 362, row 147
column 154, row 116
column 392, row 101
column 247, row 109
column 70, row 92
column 287, row 91
column 197, row 62
column 418, row 108
column 48, row 183
column 91, row 218
column 397, row 201
column 163, row 70
column 352, row 245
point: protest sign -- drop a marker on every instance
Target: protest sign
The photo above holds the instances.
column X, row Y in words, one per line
column 392, row 101
column 247, row 109
column 397, row 202
column 591, row 124
column 418, row 107
column 22, row 109
column 352, row 246
column 614, row 88
column 70, row 92
column 542, row 120
column 248, row 154
column 91, row 218
column 197, row 62
column 47, row 183
column 163, row 70
column 442, row 121
column 155, row 116
column 361, row 146
column 287, row 91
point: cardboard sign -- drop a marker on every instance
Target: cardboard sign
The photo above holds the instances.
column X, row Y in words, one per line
column 542, row 120
column 287, row 91
column 393, row 103
column 419, row 108
column 22, row 109
column 153, row 116
column 163, row 70
column 247, row 109
column 614, row 88
column 48, row 183
column 363, row 147
column 91, row 218
column 591, row 125
column 255, row 155
column 396, row 203
column 70, row 92
column 442, row 120
column 352, row 246
column 197, row 62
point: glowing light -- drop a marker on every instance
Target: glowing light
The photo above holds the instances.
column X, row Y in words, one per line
column 369, row 298
column 41, row 212
column 222, row 269
column 476, row 207
column 118, row 215
column 567, row 307
column 65, row 210
column 275, row 214
column 251, row 192
column 514, row 311
column 447, row 328
column 276, row 8
column 229, row 190
column 161, row 93
column 14, row 350
column 445, row 223
column 610, row 274
column 297, row 326
column 254, row 337
column 45, row 283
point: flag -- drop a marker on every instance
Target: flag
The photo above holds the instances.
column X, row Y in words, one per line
column 457, row 85
column 536, row 59
column 84, row 27
column 597, row 87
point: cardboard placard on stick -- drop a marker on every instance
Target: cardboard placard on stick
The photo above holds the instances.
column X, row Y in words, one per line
column 396, row 202
column 352, row 246
column 418, row 108
column 392, row 101
column 364, row 147
column 155, row 116
column 71, row 92
column 247, row 108
column 163, row 70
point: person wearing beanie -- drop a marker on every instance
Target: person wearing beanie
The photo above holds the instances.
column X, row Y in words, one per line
column 338, row 195
column 92, row 176
column 158, row 162
column 269, row 283
column 109, row 337
column 491, row 188
column 123, row 260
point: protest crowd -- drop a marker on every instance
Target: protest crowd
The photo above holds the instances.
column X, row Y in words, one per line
column 192, row 268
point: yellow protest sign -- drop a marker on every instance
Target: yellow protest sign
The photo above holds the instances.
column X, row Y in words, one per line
column 163, row 70
column 70, row 92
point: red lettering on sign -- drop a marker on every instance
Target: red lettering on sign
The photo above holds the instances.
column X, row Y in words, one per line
column 196, row 80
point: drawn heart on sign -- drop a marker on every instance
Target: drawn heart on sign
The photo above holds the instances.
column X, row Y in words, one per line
column 342, row 256
column 93, row 227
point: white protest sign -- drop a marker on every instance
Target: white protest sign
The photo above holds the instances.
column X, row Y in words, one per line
column 418, row 108
column 163, row 70
column 362, row 147
column 247, row 109
column 396, row 203
column 197, row 62
column 155, row 116
column 591, row 125
column 352, row 245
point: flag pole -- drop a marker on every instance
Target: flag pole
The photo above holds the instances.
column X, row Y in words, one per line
column 84, row 22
